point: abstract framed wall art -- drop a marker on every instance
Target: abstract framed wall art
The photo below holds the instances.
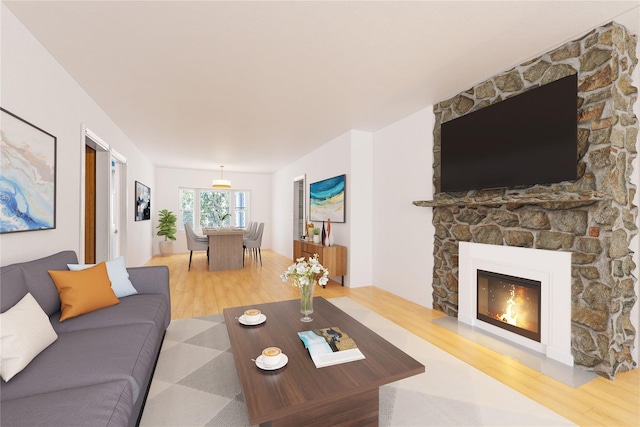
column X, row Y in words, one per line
column 327, row 199
column 27, row 176
column 143, row 202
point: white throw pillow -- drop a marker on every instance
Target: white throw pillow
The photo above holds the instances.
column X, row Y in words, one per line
column 25, row 330
column 117, row 271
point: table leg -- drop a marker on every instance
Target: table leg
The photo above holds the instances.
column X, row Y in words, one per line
column 359, row 409
column 225, row 252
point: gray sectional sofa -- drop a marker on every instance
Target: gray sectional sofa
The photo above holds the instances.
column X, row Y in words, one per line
column 98, row 371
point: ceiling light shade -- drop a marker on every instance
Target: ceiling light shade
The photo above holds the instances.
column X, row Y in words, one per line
column 221, row 183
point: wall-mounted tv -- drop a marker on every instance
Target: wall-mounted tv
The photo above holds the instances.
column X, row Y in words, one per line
column 522, row 141
column 327, row 199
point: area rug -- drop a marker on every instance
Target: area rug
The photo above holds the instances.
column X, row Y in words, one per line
column 196, row 384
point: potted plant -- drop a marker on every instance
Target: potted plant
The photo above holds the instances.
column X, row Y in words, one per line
column 316, row 235
column 222, row 217
column 167, row 228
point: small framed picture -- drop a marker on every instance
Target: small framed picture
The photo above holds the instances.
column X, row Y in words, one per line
column 143, row 202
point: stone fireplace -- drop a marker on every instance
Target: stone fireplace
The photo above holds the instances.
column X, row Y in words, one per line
column 592, row 220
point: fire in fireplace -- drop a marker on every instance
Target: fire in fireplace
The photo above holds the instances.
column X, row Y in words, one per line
column 508, row 302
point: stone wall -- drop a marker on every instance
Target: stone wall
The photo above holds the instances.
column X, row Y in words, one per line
column 593, row 217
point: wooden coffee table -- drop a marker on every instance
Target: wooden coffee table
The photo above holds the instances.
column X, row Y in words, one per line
column 299, row 394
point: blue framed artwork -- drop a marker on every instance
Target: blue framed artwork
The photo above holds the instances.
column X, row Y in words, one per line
column 27, row 176
column 327, row 199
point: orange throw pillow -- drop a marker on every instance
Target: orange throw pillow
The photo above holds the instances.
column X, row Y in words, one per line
column 83, row 291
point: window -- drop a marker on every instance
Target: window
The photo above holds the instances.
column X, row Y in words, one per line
column 213, row 208
column 240, row 209
column 187, row 197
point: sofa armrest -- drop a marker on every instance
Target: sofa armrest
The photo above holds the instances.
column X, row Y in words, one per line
column 150, row 279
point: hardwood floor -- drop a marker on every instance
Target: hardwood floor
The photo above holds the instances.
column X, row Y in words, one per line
column 199, row 292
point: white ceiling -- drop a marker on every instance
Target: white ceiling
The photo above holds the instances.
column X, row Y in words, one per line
column 256, row 85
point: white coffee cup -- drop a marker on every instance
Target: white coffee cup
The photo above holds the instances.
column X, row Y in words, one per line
column 252, row 315
column 271, row 356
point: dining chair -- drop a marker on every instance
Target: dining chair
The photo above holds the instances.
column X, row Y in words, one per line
column 195, row 242
column 254, row 244
column 251, row 232
column 253, row 225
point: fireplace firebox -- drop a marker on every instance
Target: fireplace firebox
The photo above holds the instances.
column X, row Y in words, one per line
column 508, row 302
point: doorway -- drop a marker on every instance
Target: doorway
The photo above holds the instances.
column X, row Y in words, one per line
column 299, row 207
column 118, row 208
column 103, row 221
column 90, row 205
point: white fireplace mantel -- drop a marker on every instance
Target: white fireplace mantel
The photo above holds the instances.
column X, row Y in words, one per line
column 551, row 268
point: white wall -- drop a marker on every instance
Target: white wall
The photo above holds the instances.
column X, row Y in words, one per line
column 169, row 180
column 402, row 232
column 389, row 240
column 36, row 88
column 332, row 159
column 360, row 196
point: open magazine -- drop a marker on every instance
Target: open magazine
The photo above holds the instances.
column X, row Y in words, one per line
column 330, row 346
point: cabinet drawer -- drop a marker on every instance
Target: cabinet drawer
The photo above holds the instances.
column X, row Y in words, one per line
column 333, row 258
column 310, row 254
column 310, row 248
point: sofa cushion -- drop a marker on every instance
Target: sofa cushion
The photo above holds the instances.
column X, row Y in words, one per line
column 83, row 291
column 149, row 308
column 117, row 271
column 25, row 331
column 103, row 405
column 89, row 357
column 40, row 284
column 13, row 288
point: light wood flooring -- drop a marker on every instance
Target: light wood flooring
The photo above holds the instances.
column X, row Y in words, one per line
column 600, row 402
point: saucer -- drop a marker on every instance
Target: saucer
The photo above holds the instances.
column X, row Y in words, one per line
column 260, row 320
column 283, row 362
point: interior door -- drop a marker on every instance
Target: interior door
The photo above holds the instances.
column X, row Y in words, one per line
column 90, row 206
column 104, row 217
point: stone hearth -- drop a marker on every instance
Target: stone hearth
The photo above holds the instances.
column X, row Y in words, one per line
column 593, row 218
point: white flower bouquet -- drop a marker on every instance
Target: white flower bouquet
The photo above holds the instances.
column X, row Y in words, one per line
column 306, row 272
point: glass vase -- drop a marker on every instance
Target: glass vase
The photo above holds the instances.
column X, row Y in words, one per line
column 306, row 301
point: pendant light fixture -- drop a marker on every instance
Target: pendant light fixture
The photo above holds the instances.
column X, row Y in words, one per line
column 221, row 183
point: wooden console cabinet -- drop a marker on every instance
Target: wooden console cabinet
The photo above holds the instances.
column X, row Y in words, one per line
column 333, row 258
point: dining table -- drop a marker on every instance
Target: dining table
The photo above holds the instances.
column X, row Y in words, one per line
column 225, row 248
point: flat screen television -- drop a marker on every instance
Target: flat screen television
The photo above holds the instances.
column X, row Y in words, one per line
column 522, row 141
